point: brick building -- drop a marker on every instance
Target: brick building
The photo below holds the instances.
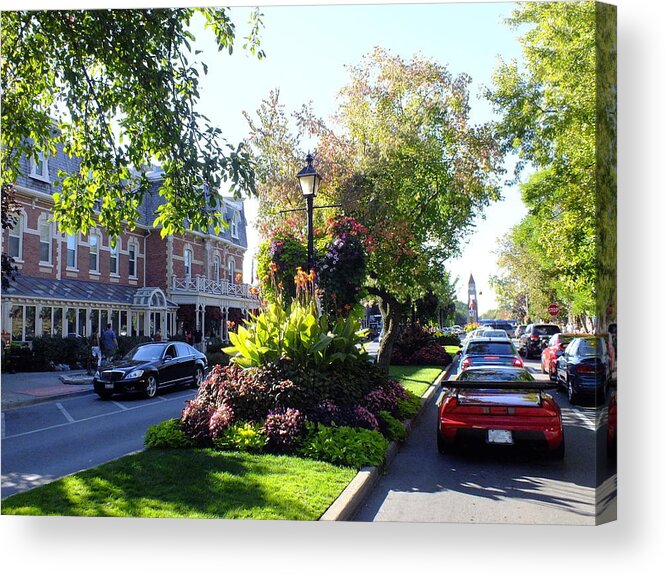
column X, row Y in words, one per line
column 72, row 284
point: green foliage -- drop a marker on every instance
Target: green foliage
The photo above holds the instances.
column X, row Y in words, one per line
column 391, row 427
column 409, row 407
column 48, row 350
column 118, row 90
column 550, row 113
column 346, row 446
column 217, row 358
column 277, row 263
column 242, row 436
column 297, row 333
column 167, row 434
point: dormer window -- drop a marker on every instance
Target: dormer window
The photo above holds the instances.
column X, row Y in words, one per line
column 39, row 169
column 235, row 224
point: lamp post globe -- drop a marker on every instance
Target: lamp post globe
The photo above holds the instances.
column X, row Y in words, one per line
column 309, row 179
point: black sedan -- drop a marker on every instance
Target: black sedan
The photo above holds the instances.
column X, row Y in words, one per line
column 151, row 366
column 584, row 368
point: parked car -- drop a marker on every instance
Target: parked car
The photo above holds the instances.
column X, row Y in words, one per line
column 611, row 429
column 535, row 338
column 149, row 367
column 584, row 368
column 552, row 351
column 500, row 333
column 488, row 351
column 501, row 406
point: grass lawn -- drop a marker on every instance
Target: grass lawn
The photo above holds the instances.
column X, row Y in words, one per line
column 415, row 378
column 192, row 483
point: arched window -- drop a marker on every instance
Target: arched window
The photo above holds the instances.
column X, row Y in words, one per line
column 216, row 268
column 72, row 249
column 113, row 256
column 235, row 225
column 45, row 239
column 188, row 262
column 231, row 269
column 93, row 252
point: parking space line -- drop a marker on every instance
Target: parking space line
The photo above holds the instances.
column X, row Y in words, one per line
column 68, row 417
column 120, row 405
column 73, row 421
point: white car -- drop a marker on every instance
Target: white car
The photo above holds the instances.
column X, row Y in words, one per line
column 494, row 333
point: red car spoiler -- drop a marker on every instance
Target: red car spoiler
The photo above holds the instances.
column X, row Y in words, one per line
column 521, row 385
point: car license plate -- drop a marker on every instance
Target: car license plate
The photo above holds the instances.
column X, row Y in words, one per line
column 108, row 386
column 500, row 436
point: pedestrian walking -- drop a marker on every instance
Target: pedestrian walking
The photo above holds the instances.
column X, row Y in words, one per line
column 95, row 347
column 109, row 343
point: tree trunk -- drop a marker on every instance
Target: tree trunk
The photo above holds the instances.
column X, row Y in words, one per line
column 392, row 311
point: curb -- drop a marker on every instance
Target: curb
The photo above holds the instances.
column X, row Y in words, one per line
column 16, row 403
column 352, row 497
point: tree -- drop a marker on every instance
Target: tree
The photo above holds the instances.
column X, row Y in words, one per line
column 118, row 90
column 558, row 117
column 405, row 162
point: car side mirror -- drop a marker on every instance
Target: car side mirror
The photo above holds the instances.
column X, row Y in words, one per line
column 168, row 358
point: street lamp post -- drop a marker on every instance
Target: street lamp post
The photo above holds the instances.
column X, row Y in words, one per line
column 309, row 180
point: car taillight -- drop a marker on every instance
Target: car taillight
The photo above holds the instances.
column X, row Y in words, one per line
column 586, row 368
column 534, row 336
column 449, row 404
column 466, row 363
column 518, row 362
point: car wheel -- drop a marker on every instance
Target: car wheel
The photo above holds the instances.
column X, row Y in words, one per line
column 151, row 387
column 198, row 378
column 443, row 447
column 571, row 394
column 557, row 454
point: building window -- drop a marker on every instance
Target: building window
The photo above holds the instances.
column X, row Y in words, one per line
column 235, row 222
column 71, row 251
column 45, row 241
column 231, row 269
column 131, row 250
column 216, row 268
column 40, row 167
column 23, row 322
column 188, row 263
column 93, row 253
column 15, row 247
column 113, row 257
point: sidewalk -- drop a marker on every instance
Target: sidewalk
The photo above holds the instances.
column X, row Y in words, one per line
column 19, row 389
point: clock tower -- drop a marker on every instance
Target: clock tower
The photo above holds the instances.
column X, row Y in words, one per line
column 472, row 303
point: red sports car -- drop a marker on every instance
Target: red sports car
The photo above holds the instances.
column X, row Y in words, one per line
column 499, row 406
column 552, row 351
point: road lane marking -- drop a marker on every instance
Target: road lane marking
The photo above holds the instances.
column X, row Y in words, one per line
column 85, row 419
column 68, row 417
column 120, row 405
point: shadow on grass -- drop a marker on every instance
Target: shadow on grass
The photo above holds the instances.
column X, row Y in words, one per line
column 193, row 484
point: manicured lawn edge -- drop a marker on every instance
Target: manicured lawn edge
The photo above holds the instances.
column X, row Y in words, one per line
column 350, row 500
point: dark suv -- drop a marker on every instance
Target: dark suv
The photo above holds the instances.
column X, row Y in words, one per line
column 535, row 338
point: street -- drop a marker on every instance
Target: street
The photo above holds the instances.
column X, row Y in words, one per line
column 501, row 486
column 43, row 442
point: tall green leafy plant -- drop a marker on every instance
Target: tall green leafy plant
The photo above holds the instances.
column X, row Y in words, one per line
column 297, row 332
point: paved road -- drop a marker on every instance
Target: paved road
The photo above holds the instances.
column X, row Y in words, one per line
column 46, row 441
column 501, row 486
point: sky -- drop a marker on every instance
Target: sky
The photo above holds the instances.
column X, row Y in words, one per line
column 307, row 51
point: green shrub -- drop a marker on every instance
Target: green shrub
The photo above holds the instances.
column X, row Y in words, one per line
column 346, row 446
column 48, row 350
column 391, row 427
column 168, row 434
column 409, row 407
column 214, row 345
column 447, row 339
column 242, row 436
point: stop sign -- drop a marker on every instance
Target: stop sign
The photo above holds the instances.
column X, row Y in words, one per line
column 553, row 309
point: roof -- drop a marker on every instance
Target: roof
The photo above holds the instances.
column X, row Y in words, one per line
column 79, row 291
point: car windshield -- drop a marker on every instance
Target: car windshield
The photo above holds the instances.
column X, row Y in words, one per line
column 494, row 333
column 495, row 375
column 565, row 339
column 546, row 329
column 145, row 353
column 490, row 348
column 589, row 347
